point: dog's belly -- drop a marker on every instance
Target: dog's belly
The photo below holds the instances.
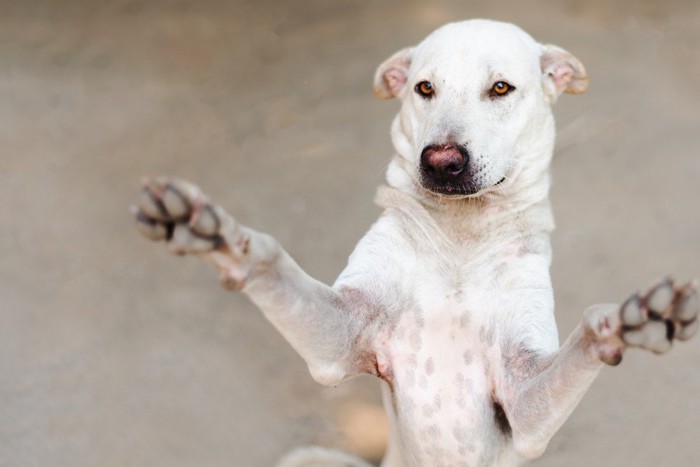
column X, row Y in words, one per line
column 441, row 391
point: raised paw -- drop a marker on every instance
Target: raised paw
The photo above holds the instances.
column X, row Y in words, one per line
column 178, row 213
column 666, row 311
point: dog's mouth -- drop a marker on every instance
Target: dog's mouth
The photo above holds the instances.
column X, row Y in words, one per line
column 458, row 190
column 454, row 189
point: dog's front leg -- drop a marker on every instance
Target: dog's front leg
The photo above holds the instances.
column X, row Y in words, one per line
column 542, row 392
column 322, row 324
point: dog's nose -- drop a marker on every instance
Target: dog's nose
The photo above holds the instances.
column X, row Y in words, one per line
column 444, row 163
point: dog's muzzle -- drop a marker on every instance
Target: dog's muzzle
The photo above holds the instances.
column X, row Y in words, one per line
column 444, row 169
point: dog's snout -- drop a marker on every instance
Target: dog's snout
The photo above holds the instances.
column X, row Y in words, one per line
column 444, row 164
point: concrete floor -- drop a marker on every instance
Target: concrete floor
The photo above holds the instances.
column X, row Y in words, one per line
column 113, row 353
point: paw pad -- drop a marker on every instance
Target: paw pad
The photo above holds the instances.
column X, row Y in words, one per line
column 177, row 212
column 652, row 320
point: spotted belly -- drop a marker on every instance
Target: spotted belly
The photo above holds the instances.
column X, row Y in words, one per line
column 440, row 394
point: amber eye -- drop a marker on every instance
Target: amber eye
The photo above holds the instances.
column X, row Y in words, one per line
column 501, row 88
column 425, row 89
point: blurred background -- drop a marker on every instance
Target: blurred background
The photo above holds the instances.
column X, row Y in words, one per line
column 114, row 353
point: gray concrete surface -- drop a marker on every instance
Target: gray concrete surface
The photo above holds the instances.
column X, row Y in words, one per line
column 113, row 353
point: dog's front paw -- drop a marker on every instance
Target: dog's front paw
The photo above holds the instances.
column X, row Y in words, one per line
column 667, row 311
column 649, row 320
column 178, row 213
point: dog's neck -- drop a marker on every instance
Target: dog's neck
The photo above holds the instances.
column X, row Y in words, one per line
column 472, row 222
column 521, row 204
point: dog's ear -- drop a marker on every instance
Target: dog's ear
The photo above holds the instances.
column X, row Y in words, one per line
column 391, row 76
column 561, row 72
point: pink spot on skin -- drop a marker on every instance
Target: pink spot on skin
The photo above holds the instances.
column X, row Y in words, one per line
column 383, row 368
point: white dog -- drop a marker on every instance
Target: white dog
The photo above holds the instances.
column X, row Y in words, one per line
column 448, row 297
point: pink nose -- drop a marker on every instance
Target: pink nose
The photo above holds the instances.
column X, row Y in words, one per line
column 443, row 163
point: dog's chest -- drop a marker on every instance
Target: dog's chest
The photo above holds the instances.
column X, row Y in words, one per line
column 439, row 358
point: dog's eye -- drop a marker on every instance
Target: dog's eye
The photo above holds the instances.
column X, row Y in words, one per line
column 501, row 88
column 425, row 89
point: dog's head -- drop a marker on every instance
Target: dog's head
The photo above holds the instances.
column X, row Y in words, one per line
column 476, row 99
